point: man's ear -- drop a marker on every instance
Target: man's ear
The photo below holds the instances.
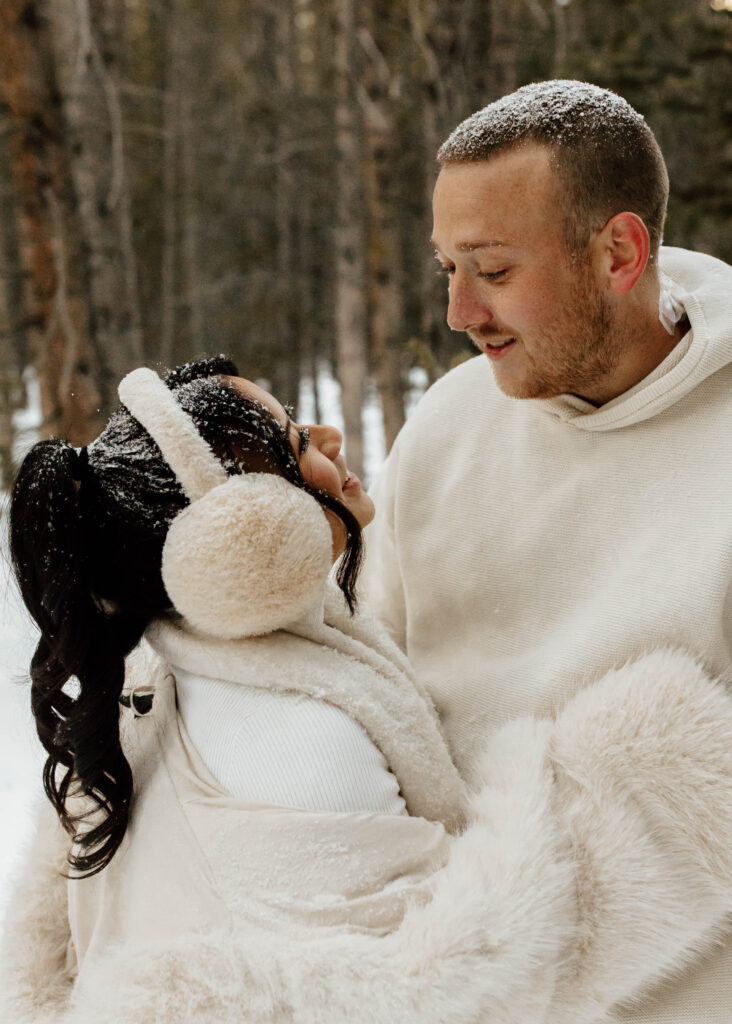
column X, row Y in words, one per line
column 623, row 248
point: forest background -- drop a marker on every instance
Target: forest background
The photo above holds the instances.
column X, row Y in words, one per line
column 254, row 177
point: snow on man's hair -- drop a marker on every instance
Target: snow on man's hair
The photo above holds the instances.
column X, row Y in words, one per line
column 605, row 154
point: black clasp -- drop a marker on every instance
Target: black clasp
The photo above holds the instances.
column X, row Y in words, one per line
column 140, row 700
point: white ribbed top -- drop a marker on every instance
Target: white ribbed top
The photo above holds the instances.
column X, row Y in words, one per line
column 285, row 749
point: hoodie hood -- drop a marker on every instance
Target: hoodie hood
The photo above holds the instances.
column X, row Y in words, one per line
column 702, row 285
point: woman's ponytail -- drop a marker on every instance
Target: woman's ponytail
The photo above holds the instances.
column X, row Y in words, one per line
column 87, row 530
column 78, row 724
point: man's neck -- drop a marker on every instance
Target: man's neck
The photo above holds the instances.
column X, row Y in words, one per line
column 654, row 346
column 649, row 343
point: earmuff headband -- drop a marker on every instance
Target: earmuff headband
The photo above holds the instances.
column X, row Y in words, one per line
column 154, row 406
column 251, row 553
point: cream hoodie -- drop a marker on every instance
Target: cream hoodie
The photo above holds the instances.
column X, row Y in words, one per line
column 523, row 548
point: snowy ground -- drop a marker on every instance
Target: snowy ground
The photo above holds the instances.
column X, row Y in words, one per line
column 20, row 752
column 21, row 756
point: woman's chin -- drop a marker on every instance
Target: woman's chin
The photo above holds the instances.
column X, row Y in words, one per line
column 366, row 510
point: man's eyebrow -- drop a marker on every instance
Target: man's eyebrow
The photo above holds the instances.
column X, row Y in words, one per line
column 492, row 243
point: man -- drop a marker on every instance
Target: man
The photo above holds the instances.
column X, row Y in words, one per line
column 559, row 506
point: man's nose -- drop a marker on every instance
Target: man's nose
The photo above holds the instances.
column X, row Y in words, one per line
column 465, row 308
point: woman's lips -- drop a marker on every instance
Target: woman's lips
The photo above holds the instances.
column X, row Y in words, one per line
column 351, row 482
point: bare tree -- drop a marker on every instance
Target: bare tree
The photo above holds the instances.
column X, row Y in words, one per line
column 436, row 38
column 350, row 311
column 173, row 84
column 53, row 261
column 13, row 352
column 379, row 96
column 86, row 42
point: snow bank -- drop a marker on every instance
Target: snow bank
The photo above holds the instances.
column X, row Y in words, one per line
column 21, row 755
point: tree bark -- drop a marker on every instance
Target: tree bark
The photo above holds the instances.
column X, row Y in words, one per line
column 289, row 272
column 14, row 353
column 434, row 114
column 86, row 55
column 349, row 235
column 384, row 249
column 171, row 124
column 505, row 38
column 54, row 262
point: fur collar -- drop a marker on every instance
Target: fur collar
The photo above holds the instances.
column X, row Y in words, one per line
column 351, row 663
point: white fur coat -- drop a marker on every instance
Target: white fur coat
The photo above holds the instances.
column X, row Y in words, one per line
column 597, row 860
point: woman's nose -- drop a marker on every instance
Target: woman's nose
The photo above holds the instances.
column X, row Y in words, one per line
column 465, row 307
column 328, row 439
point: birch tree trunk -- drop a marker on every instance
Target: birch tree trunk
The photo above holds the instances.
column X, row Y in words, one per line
column 54, row 263
column 349, row 236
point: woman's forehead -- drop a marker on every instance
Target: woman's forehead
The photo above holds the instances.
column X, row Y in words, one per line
column 253, row 391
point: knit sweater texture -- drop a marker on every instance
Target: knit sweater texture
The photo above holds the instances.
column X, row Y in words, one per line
column 522, row 549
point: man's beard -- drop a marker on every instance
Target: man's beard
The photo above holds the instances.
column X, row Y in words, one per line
column 581, row 350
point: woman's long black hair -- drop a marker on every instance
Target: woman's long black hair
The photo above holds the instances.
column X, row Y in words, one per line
column 86, row 536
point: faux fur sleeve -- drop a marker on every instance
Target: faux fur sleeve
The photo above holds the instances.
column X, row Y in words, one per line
column 597, row 862
column 36, row 957
column 643, row 791
column 485, row 947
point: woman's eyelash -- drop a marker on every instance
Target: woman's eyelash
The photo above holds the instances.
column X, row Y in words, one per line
column 445, row 271
column 493, row 275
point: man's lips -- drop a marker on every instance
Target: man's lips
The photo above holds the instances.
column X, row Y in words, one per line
column 484, row 339
column 494, row 351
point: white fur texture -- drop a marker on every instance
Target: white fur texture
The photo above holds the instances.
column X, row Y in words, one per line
column 597, row 861
column 249, row 557
column 152, row 404
column 486, row 947
column 644, row 792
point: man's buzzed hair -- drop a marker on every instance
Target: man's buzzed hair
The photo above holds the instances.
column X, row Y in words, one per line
column 606, row 157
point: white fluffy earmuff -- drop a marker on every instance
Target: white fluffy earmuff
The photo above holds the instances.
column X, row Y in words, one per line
column 252, row 552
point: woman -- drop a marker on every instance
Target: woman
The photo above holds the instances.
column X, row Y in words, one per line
column 276, row 879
